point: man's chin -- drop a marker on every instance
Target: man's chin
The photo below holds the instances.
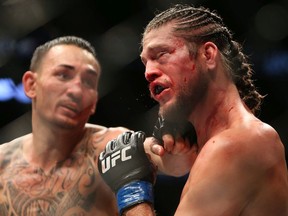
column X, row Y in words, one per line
column 172, row 114
column 67, row 123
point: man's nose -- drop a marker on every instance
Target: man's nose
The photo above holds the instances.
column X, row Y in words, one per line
column 151, row 71
column 75, row 89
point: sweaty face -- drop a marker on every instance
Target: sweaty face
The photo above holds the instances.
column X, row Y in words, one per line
column 173, row 75
column 66, row 86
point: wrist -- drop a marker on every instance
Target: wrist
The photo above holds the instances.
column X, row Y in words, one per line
column 134, row 193
column 142, row 209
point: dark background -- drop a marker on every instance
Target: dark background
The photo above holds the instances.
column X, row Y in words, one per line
column 114, row 28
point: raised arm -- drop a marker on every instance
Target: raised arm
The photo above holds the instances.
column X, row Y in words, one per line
column 126, row 168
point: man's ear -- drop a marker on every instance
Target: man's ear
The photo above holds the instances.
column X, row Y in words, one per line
column 93, row 108
column 29, row 83
column 210, row 53
column 92, row 111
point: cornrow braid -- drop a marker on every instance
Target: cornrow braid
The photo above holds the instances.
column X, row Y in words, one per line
column 202, row 21
column 242, row 76
column 199, row 25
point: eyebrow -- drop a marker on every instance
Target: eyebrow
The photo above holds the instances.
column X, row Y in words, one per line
column 66, row 66
column 156, row 48
column 70, row 67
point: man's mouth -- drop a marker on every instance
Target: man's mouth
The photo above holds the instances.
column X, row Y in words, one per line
column 72, row 108
column 158, row 89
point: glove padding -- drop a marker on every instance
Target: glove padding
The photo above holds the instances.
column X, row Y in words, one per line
column 184, row 130
column 124, row 160
column 125, row 167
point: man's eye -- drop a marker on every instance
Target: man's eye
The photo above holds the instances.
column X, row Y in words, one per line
column 90, row 83
column 160, row 54
column 62, row 76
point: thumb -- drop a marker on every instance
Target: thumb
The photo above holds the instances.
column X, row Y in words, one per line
column 157, row 149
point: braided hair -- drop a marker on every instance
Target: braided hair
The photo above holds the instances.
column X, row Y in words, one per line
column 199, row 25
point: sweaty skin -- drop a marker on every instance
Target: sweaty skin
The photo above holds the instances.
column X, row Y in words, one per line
column 70, row 187
column 240, row 167
column 53, row 171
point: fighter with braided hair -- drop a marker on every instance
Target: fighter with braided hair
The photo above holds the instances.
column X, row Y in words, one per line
column 198, row 73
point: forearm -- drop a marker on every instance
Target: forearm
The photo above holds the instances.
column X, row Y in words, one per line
column 131, row 175
column 142, row 209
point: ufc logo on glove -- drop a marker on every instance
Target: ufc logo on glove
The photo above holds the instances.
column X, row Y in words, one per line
column 111, row 161
column 133, row 176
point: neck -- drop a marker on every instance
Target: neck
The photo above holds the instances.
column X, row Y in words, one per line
column 49, row 145
column 216, row 112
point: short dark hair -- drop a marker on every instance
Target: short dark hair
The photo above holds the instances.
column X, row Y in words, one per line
column 41, row 50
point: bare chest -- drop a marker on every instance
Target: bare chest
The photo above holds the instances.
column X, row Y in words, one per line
column 71, row 188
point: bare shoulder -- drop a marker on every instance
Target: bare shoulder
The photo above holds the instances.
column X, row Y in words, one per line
column 102, row 135
column 100, row 129
column 12, row 150
column 15, row 143
column 253, row 143
column 261, row 141
column 245, row 163
column 103, row 128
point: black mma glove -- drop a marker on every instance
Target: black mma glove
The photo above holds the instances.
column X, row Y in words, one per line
column 125, row 167
column 185, row 130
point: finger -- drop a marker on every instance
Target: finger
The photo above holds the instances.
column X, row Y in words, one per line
column 168, row 141
column 181, row 146
column 157, row 149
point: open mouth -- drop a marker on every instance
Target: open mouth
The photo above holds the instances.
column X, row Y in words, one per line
column 158, row 89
